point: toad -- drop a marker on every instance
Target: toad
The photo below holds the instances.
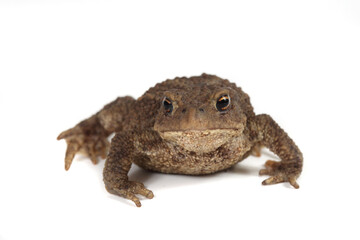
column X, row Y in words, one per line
column 194, row 126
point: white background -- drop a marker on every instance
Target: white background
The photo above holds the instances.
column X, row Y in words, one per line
column 61, row 61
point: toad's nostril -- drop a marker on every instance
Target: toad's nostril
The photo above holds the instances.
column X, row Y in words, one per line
column 201, row 109
column 184, row 110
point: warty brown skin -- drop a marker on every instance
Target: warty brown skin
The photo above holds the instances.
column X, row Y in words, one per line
column 180, row 127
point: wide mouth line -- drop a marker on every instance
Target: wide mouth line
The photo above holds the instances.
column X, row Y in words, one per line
column 200, row 130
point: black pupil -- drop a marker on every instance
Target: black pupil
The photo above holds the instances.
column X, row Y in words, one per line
column 223, row 103
column 168, row 105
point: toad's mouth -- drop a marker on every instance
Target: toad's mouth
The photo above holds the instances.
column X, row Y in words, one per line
column 200, row 141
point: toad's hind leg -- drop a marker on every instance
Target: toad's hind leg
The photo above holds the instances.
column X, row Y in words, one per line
column 117, row 166
column 90, row 136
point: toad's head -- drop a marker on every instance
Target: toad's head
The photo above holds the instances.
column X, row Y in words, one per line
column 203, row 117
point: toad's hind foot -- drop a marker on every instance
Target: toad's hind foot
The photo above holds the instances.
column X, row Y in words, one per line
column 93, row 146
column 280, row 172
column 129, row 190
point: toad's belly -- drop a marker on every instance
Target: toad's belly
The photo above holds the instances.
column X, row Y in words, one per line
column 179, row 161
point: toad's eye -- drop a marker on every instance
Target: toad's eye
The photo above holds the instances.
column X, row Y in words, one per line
column 168, row 106
column 223, row 103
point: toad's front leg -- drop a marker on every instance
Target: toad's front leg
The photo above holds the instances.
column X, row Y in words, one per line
column 273, row 137
column 117, row 166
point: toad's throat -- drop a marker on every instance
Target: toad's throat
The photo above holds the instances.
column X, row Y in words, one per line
column 200, row 141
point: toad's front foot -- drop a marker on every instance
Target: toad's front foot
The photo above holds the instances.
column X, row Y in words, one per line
column 128, row 189
column 281, row 172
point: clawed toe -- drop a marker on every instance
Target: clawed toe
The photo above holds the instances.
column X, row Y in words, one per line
column 271, row 167
column 264, row 172
column 293, row 183
column 139, row 188
column 131, row 190
column 273, row 180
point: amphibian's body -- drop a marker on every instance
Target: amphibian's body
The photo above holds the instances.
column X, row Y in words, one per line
column 198, row 125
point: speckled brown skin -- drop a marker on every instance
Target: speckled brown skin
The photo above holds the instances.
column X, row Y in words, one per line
column 194, row 138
